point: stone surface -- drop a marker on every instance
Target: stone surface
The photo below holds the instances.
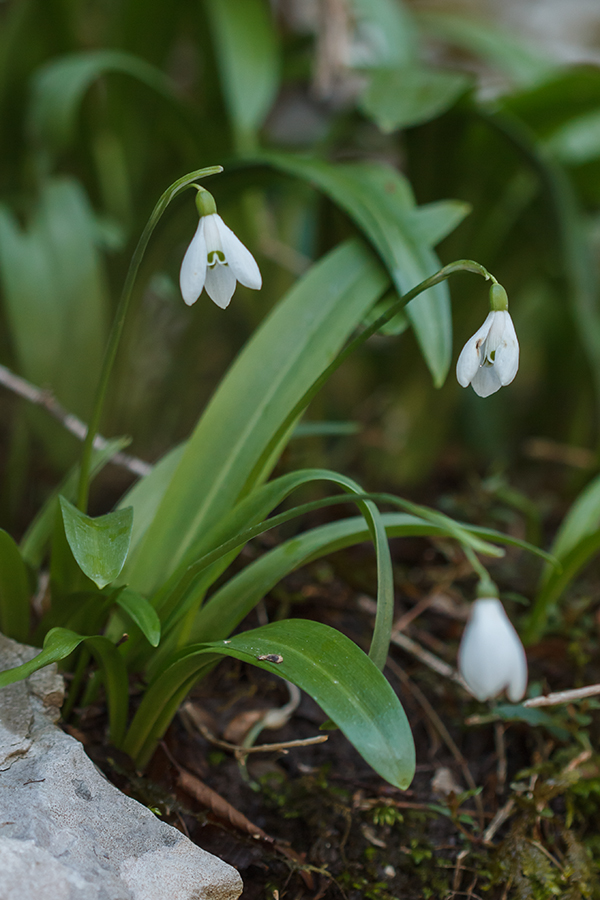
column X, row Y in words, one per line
column 66, row 833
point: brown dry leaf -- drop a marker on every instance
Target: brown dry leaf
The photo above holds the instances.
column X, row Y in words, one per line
column 221, row 807
column 224, row 810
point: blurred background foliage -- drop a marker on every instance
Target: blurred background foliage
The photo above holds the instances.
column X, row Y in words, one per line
column 103, row 103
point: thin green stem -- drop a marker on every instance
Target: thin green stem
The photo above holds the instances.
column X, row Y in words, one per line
column 486, row 587
column 461, row 265
column 117, row 327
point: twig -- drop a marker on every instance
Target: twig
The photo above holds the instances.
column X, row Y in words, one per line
column 457, row 871
column 443, row 733
column 189, row 711
column 498, row 820
column 410, row 646
column 501, row 754
column 564, row 696
column 404, row 620
column 48, row 401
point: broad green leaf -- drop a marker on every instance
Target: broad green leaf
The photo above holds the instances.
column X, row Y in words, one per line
column 99, row 545
column 386, row 31
column 146, row 495
column 556, row 582
column 403, row 97
column 246, row 46
column 379, row 200
column 578, row 140
column 139, row 610
column 14, row 590
column 432, row 222
column 325, row 429
column 493, row 43
column 332, row 669
column 281, row 361
column 582, row 520
column 37, row 537
column 60, row 643
column 59, row 87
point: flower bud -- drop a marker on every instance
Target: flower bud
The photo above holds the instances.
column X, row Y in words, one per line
column 491, row 657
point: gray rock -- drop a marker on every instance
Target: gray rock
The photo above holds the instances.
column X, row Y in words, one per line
column 66, row 833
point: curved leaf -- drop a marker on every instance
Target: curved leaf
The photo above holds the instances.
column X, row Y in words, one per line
column 380, row 201
column 60, row 643
column 329, row 666
column 99, row 545
column 411, row 95
column 59, row 87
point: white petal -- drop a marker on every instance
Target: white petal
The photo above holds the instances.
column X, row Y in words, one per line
column 242, row 263
column 470, row 359
column 507, row 355
column 220, row 285
column 212, row 233
column 486, row 381
column 193, row 267
column 491, row 657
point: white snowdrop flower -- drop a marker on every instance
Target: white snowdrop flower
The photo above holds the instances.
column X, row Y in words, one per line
column 491, row 657
column 215, row 259
column 490, row 358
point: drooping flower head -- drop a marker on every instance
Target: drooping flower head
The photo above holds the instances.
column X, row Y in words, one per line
column 491, row 657
column 490, row 359
column 215, row 259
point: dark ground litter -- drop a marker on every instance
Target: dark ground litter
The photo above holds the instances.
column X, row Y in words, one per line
column 498, row 809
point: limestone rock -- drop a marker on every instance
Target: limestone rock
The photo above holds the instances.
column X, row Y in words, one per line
column 66, row 833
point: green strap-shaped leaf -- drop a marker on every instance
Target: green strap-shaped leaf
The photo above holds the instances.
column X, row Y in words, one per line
column 390, row 33
column 139, row 610
column 232, row 602
column 411, row 95
column 60, row 643
column 247, row 51
column 99, row 545
column 184, row 592
column 279, row 364
column 380, row 201
column 59, row 87
column 56, row 301
column 14, row 590
column 327, row 665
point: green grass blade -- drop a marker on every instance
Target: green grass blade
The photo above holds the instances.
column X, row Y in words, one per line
column 14, row 590
column 246, row 46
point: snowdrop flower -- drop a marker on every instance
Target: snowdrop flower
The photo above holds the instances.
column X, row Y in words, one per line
column 491, row 657
column 490, row 358
column 215, row 259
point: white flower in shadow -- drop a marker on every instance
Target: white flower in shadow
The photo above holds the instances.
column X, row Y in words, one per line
column 490, row 359
column 491, row 657
column 215, row 260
